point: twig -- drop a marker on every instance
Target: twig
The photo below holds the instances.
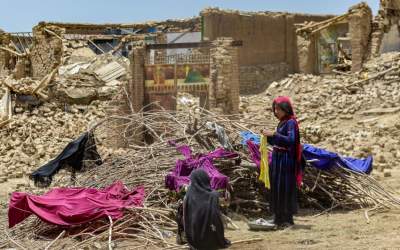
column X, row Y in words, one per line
column 110, row 233
column 58, row 237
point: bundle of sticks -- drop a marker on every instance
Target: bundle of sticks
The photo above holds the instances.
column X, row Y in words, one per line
column 147, row 161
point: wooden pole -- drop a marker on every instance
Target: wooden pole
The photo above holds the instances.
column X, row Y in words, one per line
column 52, row 33
column 11, row 51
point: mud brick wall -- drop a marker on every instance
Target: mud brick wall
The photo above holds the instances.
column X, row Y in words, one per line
column 256, row 78
column 360, row 27
column 22, row 68
column 306, row 54
column 4, row 55
column 46, row 52
column 269, row 41
column 130, row 99
column 112, row 28
column 386, row 29
column 136, row 83
column 224, row 85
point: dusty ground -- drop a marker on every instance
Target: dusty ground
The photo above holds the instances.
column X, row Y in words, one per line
column 336, row 230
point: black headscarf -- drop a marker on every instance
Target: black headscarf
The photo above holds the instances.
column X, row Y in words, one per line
column 202, row 217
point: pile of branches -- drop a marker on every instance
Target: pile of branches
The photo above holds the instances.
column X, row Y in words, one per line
column 343, row 188
column 148, row 157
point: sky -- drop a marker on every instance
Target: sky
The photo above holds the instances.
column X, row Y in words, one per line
column 22, row 15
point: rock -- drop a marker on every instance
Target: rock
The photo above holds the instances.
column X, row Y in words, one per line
column 81, row 95
column 387, row 173
column 105, row 93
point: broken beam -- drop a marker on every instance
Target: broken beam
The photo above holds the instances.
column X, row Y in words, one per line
column 187, row 45
column 11, row 51
column 52, row 33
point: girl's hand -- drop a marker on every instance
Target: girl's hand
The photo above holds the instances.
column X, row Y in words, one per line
column 267, row 132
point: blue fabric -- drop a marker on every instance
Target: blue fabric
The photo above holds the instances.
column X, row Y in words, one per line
column 326, row 159
column 247, row 135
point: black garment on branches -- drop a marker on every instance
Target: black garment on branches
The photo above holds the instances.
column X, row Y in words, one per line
column 202, row 217
column 73, row 156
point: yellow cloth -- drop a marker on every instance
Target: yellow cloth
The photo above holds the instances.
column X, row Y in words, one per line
column 264, row 167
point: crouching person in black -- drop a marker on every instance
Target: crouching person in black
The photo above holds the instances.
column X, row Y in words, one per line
column 200, row 217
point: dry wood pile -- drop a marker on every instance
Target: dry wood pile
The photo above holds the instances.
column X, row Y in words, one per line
column 147, row 164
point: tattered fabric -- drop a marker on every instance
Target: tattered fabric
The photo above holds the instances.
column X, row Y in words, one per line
column 73, row 155
column 179, row 176
column 74, row 206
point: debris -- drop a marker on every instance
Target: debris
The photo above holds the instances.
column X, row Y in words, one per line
column 110, row 72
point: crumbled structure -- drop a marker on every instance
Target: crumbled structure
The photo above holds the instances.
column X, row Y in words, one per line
column 47, row 49
column 269, row 50
column 386, row 28
column 4, row 54
column 341, row 42
column 345, row 42
column 224, row 85
column 210, row 72
column 360, row 21
column 14, row 55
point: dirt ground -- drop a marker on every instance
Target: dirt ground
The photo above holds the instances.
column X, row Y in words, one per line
column 313, row 230
column 335, row 230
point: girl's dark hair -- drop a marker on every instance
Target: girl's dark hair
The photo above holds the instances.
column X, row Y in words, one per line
column 285, row 106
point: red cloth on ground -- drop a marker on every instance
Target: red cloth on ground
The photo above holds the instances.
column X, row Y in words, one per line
column 74, row 206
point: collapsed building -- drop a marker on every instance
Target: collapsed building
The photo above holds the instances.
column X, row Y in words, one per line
column 73, row 68
column 274, row 44
column 63, row 77
column 345, row 42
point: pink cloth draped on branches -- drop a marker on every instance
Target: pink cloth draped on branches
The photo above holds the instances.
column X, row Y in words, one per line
column 74, row 206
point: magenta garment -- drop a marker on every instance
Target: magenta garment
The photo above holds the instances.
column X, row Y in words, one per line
column 179, row 176
column 74, row 206
column 255, row 154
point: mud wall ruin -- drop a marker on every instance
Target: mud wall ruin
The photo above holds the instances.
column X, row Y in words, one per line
column 4, row 55
column 12, row 61
column 223, row 93
column 192, row 24
column 386, row 28
column 269, row 49
column 360, row 30
column 47, row 49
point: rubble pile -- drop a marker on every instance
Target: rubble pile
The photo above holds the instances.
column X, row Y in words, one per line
column 355, row 115
column 36, row 136
column 43, row 123
column 89, row 79
column 23, row 86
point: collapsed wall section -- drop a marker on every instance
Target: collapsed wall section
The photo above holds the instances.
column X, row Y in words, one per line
column 386, row 28
column 223, row 95
column 360, row 30
column 192, row 24
column 47, row 49
column 13, row 62
column 269, row 49
column 4, row 55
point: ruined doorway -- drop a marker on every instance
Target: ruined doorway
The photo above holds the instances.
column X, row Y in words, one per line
column 166, row 76
column 330, row 47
